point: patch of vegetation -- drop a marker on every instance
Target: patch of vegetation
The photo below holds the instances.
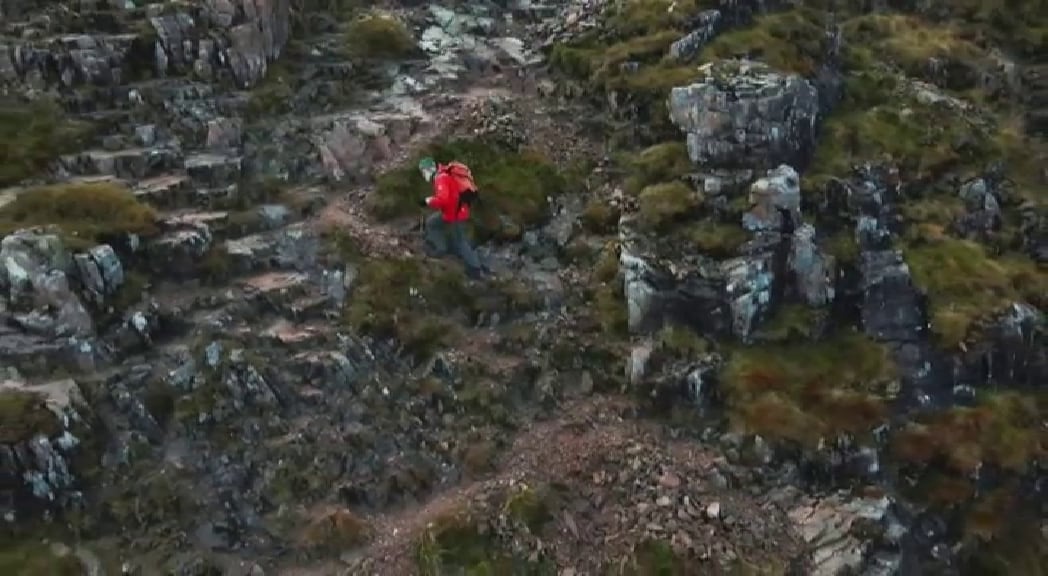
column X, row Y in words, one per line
column 86, row 214
column 792, row 41
column 843, row 247
column 455, row 544
column 714, row 239
column 924, row 140
column 965, row 284
column 32, row 135
column 216, row 266
column 159, row 497
column 513, row 185
column 794, row 322
column 378, row 36
column 805, row 392
column 336, row 532
column 1003, row 430
column 273, row 95
column 681, row 342
column 600, row 217
column 37, row 559
column 663, row 205
column 664, row 162
column 409, row 300
column 159, row 400
column 24, row 415
column 529, row 506
column 912, row 43
column 654, row 558
column 478, row 457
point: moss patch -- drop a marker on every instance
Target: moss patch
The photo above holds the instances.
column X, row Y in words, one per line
column 529, row 507
column 379, row 36
column 413, row 301
column 273, row 95
column 24, row 415
column 85, row 213
column 924, row 140
column 965, row 284
column 713, row 239
column 336, row 531
column 514, row 186
column 454, row 544
column 1004, row 430
column 663, row 205
column 659, row 163
column 37, row 559
column 32, row 136
column 806, row 392
column 793, row 41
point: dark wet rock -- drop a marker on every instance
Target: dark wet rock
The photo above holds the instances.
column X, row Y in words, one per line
column 813, row 271
column 1012, row 348
column 982, row 214
column 892, row 309
column 1034, row 231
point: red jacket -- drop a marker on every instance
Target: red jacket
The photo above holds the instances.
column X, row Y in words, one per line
column 446, row 191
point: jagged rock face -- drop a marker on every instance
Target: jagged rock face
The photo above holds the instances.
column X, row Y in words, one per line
column 213, row 40
column 35, row 463
column 39, row 294
column 731, row 298
column 838, row 531
column 744, row 115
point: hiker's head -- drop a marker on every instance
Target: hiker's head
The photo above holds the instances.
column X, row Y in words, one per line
column 428, row 168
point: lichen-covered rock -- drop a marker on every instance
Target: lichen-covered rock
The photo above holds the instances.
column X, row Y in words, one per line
column 177, row 251
column 707, row 25
column 744, row 115
column 350, row 146
column 100, row 271
column 813, row 271
column 776, row 201
column 37, row 442
column 34, row 267
column 838, row 531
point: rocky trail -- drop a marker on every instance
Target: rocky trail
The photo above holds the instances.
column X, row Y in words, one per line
column 767, row 290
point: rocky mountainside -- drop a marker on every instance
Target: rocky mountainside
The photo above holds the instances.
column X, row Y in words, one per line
column 767, row 294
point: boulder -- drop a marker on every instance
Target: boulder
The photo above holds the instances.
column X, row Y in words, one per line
column 744, row 115
column 838, row 531
column 33, row 272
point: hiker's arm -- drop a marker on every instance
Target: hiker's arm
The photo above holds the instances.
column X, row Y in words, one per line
column 441, row 194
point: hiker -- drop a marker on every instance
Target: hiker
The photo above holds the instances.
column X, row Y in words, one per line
column 453, row 194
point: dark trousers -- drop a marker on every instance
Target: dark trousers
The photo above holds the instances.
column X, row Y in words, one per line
column 450, row 238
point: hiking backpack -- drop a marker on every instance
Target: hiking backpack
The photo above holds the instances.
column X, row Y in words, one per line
column 464, row 177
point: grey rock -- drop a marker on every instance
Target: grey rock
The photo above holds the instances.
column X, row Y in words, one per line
column 743, row 114
column 776, row 201
column 749, row 292
column 891, row 309
column 33, row 266
column 814, row 272
column 837, row 530
column 708, row 24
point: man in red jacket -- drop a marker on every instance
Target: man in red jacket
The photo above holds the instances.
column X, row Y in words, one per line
column 453, row 193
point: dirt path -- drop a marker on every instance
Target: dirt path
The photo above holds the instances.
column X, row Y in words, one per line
column 545, row 451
